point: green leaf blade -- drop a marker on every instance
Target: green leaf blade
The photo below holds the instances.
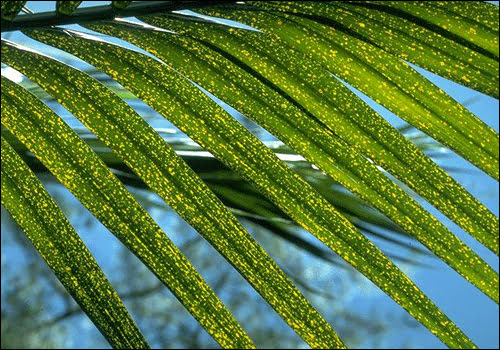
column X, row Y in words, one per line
column 419, row 45
column 84, row 174
column 10, row 9
column 482, row 13
column 241, row 90
column 361, row 127
column 67, row 7
column 34, row 210
column 150, row 157
column 194, row 113
column 389, row 82
column 483, row 37
column 120, row 4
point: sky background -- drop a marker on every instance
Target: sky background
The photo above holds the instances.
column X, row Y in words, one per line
column 472, row 311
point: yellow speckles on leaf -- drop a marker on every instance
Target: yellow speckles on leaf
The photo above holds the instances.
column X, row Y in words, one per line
column 23, row 195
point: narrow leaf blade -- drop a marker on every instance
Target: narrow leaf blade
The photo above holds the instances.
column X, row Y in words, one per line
column 242, row 91
column 73, row 163
column 194, row 113
column 34, row 210
column 325, row 98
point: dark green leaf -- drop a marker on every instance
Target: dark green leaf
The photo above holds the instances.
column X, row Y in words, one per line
column 120, row 4
column 74, row 164
column 44, row 223
column 10, row 9
column 67, row 7
column 194, row 113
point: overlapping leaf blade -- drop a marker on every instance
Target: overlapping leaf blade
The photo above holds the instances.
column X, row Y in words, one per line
column 386, row 79
column 447, row 23
column 481, row 12
column 481, row 36
column 258, row 210
column 326, row 99
column 417, row 44
column 83, row 173
column 248, row 204
column 194, row 113
column 267, row 108
column 144, row 151
column 10, row 9
column 67, row 7
column 44, row 223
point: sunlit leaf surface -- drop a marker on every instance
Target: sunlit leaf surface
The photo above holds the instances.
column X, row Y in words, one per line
column 52, row 235
column 289, row 66
column 85, row 175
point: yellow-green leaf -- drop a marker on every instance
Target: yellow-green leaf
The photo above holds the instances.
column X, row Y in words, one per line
column 194, row 113
column 31, row 206
column 416, row 43
column 247, row 94
column 77, row 167
column 144, row 151
column 309, row 85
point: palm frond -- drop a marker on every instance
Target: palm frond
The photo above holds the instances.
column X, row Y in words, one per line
column 52, row 235
column 291, row 67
